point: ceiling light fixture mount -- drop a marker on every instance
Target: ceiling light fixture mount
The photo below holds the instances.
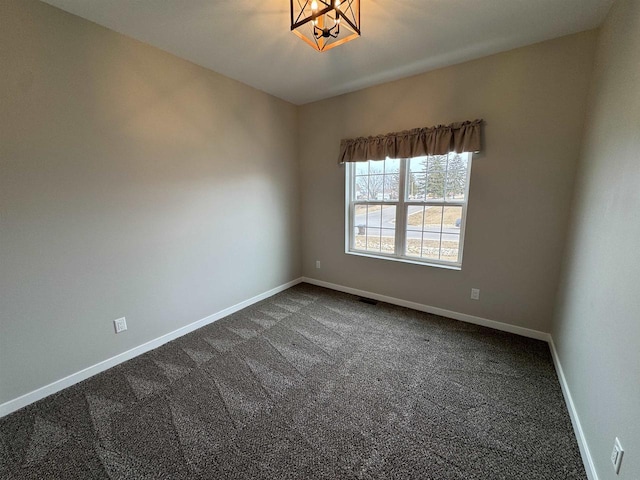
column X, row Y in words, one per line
column 325, row 24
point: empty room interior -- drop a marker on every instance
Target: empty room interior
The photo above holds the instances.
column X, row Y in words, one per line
column 367, row 239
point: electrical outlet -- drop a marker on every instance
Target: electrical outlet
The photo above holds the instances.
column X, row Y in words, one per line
column 120, row 324
column 616, row 455
column 317, row 263
column 475, row 294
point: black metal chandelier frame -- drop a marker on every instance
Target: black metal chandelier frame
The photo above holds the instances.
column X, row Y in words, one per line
column 320, row 13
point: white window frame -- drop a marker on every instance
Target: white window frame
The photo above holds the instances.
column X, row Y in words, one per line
column 402, row 205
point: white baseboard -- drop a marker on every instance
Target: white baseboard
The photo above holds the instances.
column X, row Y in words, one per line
column 505, row 327
column 575, row 420
column 28, row 398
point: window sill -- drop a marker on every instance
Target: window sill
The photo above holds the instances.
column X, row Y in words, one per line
column 405, row 260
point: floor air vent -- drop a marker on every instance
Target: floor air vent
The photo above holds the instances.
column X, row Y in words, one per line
column 369, row 301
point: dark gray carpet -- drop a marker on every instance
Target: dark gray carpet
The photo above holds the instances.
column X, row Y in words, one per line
column 310, row 383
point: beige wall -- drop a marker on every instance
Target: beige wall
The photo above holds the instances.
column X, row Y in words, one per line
column 597, row 329
column 132, row 183
column 533, row 101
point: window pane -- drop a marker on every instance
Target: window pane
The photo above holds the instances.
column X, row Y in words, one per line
column 362, row 188
column 417, row 178
column 391, row 186
column 430, row 218
column 415, row 215
column 374, row 228
column 456, row 176
column 433, row 232
column 451, row 219
column 367, row 215
column 415, row 219
column 376, row 167
column 416, row 186
column 436, row 175
column 392, row 165
column 360, row 228
column 433, row 219
column 388, row 244
column 374, row 216
column 373, row 240
column 388, row 217
column 413, row 245
column 376, row 186
column 423, row 244
column 418, row 164
column 450, row 247
column 362, row 168
column 431, row 246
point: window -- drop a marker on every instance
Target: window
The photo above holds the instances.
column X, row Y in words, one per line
column 410, row 209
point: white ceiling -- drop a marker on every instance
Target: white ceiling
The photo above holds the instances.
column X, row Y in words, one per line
column 250, row 40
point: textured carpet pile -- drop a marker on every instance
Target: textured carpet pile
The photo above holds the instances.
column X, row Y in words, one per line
column 309, row 383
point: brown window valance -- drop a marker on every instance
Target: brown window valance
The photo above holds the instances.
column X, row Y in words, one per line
column 457, row 137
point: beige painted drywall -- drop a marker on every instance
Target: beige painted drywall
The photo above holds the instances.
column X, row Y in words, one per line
column 132, row 183
column 533, row 101
column 597, row 328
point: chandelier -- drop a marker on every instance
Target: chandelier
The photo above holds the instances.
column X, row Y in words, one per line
column 325, row 24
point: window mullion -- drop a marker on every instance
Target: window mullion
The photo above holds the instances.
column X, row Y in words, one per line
column 401, row 213
column 446, row 176
column 352, row 206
